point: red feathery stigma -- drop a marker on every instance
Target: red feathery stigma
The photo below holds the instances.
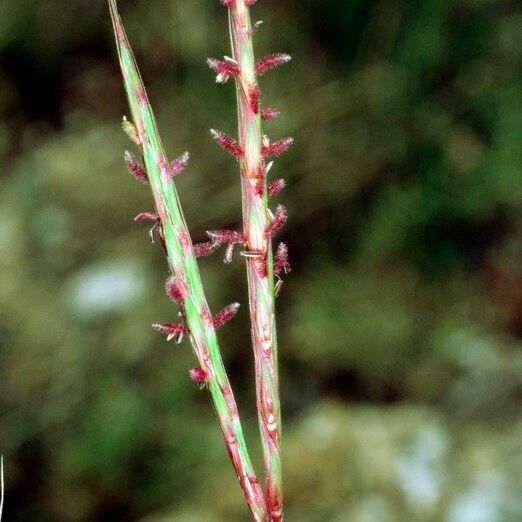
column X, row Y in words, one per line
column 276, row 187
column 260, row 187
column 254, row 96
column 225, row 315
column 277, row 148
column 171, row 330
column 134, row 167
column 205, row 249
column 173, row 291
column 198, row 375
column 179, row 164
column 229, row 237
column 226, row 236
column 278, row 221
column 250, row 2
column 227, row 143
column 260, row 177
column 281, row 263
column 147, row 216
column 267, row 113
column 261, row 266
column 270, row 61
column 224, row 69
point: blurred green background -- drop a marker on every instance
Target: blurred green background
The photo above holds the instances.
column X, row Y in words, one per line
column 400, row 325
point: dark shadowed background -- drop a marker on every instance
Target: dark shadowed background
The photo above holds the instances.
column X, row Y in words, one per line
column 400, row 325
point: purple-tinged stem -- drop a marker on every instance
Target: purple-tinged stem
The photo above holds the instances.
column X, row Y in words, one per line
column 258, row 248
column 181, row 255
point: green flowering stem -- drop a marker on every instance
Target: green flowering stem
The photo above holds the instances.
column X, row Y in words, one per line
column 182, row 262
column 259, row 225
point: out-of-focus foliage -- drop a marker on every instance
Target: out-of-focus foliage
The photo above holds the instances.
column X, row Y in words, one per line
column 400, row 324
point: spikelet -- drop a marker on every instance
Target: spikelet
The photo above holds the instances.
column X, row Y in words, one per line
column 224, row 69
column 171, row 330
column 281, row 263
column 147, row 216
column 199, row 376
column 276, row 187
column 271, row 61
column 130, row 130
column 205, row 249
column 254, row 96
column 178, row 165
column 278, row 221
column 226, row 236
column 134, row 167
column 225, row 315
column 267, row 113
column 270, row 150
column 227, row 143
column 173, row 291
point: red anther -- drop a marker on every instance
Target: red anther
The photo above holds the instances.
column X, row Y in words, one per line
column 198, row 375
column 227, row 143
column 134, row 167
column 280, row 217
column 179, row 164
column 270, row 61
column 173, row 291
column 226, row 236
column 225, row 315
column 277, row 148
column 267, row 113
column 147, row 216
column 171, row 330
column 224, row 69
column 275, row 187
column 205, row 249
column 281, row 263
column 254, row 96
